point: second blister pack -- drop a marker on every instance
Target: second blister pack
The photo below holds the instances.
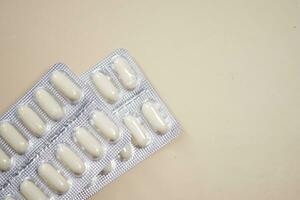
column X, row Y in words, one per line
column 119, row 81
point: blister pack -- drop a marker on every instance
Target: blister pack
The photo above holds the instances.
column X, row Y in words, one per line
column 119, row 81
column 29, row 123
column 39, row 119
column 67, row 137
column 74, row 155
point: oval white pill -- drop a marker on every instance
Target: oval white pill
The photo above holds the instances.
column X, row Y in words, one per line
column 31, row 192
column 108, row 168
column 5, row 162
column 31, row 120
column 66, row 86
column 105, row 87
column 105, row 126
column 9, row 198
column 126, row 74
column 140, row 136
column 49, row 105
column 13, row 137
column 70, row 159
column 89, row 143
column 53, row 178
column 126, row 152
column 153, row 116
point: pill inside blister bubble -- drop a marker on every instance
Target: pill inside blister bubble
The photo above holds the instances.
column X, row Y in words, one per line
column 53, row 179
column 140, row 136
column 48, row 103
column 32, row 192
column 105, row 126
column 126, row 153
column 125, row 73
column 70, row 159
column 145, row 127
column 105, row 87
column 9, row 198
column 31, row 120
column 12, row 136
column 89, row 143
column 67, row 87
column 154, row 117
column 5, row 161
column 108, row 168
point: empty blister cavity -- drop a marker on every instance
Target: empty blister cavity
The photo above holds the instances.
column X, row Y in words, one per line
column 66, row 86
column 154, row 117
column 13, row 138
column 105, row 126
column 126, row 74
column 70, row 159
column 5, row 161
column 31, row 120
column 32, row 192
column 89, row 143
column 140, row 135
column 49, row 104
column 126, row 153
column 108, row 168
column 53, row 179
column 105, row 87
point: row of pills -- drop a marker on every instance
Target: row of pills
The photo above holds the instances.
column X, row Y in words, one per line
column 105, row 85
column 140, row 136
column 32, row 120
column 87, row 142
column 151, row 127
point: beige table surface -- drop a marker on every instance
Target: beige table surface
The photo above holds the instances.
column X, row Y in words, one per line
column 229, row 70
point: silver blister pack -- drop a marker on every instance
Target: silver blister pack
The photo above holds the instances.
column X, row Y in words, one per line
column 141, row 110
column 36, row 121
column 32, row 106
column 39, row 172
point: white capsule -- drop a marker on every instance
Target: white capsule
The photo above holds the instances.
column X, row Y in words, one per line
column 53, row 178
column 70, row 159
column 108, row 168
column 66, row 86
column 89, row 143
column 140, row 136
column 153, row 116
column 13, row 137
column 126, row 74
column 126, row 152
column 5, row 162
column 105, row 87
column 49, row 105
column 105, row 126
column 9, row 198
column 31, row 192
column 31, row 120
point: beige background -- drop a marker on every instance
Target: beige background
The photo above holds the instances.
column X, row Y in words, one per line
column 229, row 70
